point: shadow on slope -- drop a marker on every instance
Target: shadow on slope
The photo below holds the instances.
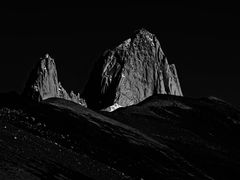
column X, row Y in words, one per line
column 164, row 136
column 204, row 131
column 29, row 149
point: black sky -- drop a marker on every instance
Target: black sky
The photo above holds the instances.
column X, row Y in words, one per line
column 202, row 41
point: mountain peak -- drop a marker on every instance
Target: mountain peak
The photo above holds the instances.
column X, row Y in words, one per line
column 47, row 56
column 143, row 31
column 47, row 60
column 123, row 76
column 131, row 72
column 43, row 83
column 43, row 80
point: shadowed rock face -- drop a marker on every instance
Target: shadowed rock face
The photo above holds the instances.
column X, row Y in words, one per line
column 131, row 72
column 43, row 83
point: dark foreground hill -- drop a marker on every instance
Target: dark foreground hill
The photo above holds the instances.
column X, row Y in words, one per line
column 163, row 137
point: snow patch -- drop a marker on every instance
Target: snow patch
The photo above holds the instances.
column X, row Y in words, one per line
column 114, row 107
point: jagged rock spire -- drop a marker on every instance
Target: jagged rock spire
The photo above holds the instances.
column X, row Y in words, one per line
column 43, row 80
column 43, row 83
column 131, row 72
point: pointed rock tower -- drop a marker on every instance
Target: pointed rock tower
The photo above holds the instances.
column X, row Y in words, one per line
column 131, row 72
column 43, row 83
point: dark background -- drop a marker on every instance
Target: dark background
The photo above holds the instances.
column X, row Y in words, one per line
column 201, row 40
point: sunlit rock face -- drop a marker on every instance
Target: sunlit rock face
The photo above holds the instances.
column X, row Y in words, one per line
column 43, row 83
column 131, row 72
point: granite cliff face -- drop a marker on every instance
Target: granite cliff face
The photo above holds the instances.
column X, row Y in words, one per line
column 131, row 72
column 43, row 83
column 123, row 76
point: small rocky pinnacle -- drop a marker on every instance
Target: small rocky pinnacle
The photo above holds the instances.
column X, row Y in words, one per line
column 43, row 83
column 131, row 72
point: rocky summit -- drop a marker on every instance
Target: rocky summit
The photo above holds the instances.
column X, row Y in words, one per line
column 131, row 72
column 43, row 83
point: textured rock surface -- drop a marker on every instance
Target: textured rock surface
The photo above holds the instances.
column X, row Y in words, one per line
column 43, row 83
column 130, row 73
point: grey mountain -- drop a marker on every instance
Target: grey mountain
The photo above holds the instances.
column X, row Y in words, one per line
column 131, row 72
column 43, row 83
